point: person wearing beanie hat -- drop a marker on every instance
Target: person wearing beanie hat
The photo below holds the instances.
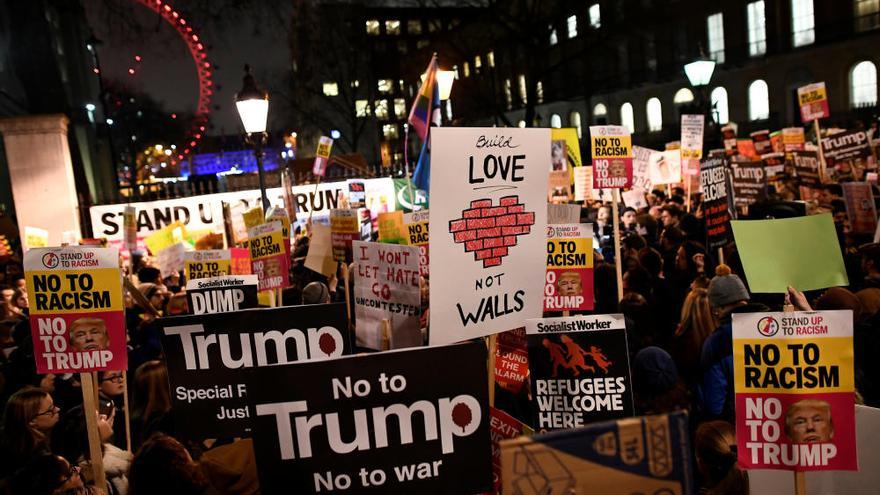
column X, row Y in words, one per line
column 316, row 293
column 727, row 295
column 656, row 385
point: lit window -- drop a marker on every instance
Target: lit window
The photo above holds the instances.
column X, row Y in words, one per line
column 414, row 26
column 863, row 85
column 523, row 95
column 757, row 28
column 385, row 85
column 553, row 38
column 331, row 89
column 719, row 105
column 381, row 110
column 399, row 108
column 555, row 121
column 539, row 93
column 355, row 84
column 508, row 94
column 373, row 27
column 467, row 69
column 434, row 26
column 572, row 24
column 401, row 85
column 715, row 25
column 759, row 100
column 478, row 63
column 490, row 59
column 655, row 115
column 683, row 95
column 449, row 110
column 389, row 131
column 802, row 22
column 595, row 16
column 600, row 110
column 521, row 124
column 626, row 117
column 362, row 108
column 392, row 27
column 574, row 120
column 867, row 14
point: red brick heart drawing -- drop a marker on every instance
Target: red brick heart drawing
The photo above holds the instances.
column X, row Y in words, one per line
column 489, row 231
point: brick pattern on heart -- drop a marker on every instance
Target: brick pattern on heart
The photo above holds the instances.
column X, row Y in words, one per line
column 490, row 231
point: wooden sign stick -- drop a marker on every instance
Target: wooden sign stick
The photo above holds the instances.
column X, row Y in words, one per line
column 822, row 166
column 344, row 268
column 618, row 265
column 90, row 411
column 800, row 479
column 491, row 343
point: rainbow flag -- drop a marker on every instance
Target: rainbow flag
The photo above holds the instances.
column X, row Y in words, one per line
column 420, row 113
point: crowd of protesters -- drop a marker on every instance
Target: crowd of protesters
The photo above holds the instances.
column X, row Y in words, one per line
column 678, row 301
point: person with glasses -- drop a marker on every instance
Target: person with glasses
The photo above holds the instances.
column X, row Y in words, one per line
column 70, row 439
column 111, row 387
column 28, row 420
column 49, row 474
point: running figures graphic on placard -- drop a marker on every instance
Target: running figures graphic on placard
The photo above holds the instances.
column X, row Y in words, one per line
column 489, row 231
column 571, row 356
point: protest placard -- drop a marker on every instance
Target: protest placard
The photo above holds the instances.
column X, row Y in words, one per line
column 129, row 228
column 794, row 390
column 646, row 455
column 745, row 150
column 76, row 309
column 800, row 252
column 692, row 136
column 860, row 208
column 207, row 263
column 357, row 193
column 806, row 166
column 715, row 184
column 320, row 256
column 728, row 139
column 391, row 227
column 565, row 213
column 793, row 139
column 761, row 142
column 569, row 280
column 641, row 176
column 35, row 238
column 322, row 155
column 171, row 259
column 502, row 426
column 813, row 101
column 664, row 167
column 488, row 234
column 774, row 166
column 634, row 198
column 511, row 360
column 370, row 401
column 416, row 225
column 579, row 370
column 253, row 217
column 165, row 237
column 583, row 183
column 269, row 259
column 386, row 289
column 747, row 181
column 345, row 227
column 844, row 146
column 565, row 155
column 406, row 193
column 611, row 147
column 221, row 294
column 206, row 355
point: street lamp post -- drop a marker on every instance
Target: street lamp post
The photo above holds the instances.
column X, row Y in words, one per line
column 252, row 104
column 699, row 73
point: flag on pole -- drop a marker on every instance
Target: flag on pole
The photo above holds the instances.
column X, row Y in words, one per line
column 421, row 109
column 422, row 174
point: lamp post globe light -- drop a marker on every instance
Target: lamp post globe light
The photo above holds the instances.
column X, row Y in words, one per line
column 445, row 78
column 252, row 104
column 699, row 72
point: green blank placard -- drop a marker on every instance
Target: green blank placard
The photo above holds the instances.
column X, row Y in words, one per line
column 801, row 252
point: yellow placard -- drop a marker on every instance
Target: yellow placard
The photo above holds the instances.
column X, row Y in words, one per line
column 74, row 291
column 570, row 253
column 265, row 244
column 793, row 367
column 166, row 237
column 417, row 234
column 253, row 217
column 611, row 146
column 391, row 228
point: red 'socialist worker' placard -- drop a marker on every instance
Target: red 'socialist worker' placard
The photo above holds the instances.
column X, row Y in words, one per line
column 76, row 309
column 795, row 390
column 569, row 280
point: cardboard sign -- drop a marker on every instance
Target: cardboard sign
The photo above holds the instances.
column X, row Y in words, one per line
column 611, row 147
column 207, row 263
column 806, row 166
column 860, row 207
column 583, row 183
column 35, row 238
column 322, row 155
column 563, row 213
column 416, row 224
column 569, row 281
column 221, row 294
column 391, row 227
column 386, row 287
column 511, row 360
column 206, row 355
column 357, row 193
column 692, row 136
column 664, row 167
column 801, row 252
column 269, row 259
column 795, row 390
column 641, row 176
column 646, row 455
column 375, row 423
column 748, row 181
column 488, row 234
column 844, row 146
column 345, row 227
column 715, row 184
column 129, row 227
column 320, row 257
column 76, row 309
column 579, row 369
column 813, row 101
